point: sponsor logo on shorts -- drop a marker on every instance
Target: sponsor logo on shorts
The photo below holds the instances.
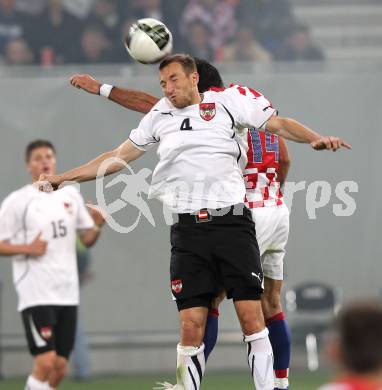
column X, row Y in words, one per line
column 46, row 333
column 176, row 286
column 258, row 276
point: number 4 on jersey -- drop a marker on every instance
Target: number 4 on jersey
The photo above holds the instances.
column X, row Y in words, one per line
column 186, row 125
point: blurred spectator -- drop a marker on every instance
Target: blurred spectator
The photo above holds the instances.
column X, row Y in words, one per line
column 119, row 53
column 245, row 48
column 270, row 18
column 105, row 13
column 12, row 23
column 94, row 47
column 79, row 8
column 219, row 15
column 149, row 9
column 31, row 7
column 17, row 52
column 55, row 30
column 198, row 43
column 356, row 346
column 298, row 46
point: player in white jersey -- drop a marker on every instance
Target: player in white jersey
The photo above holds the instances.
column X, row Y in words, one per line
column 265, row 173
column 197, row 137
column 39, row 230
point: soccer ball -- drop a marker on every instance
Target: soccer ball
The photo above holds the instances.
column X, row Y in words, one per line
column 148, row 41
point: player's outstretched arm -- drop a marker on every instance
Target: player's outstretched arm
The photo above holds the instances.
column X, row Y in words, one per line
column 113, row 160
column 128, row 98
column 296, row 131
column 36, row 248
column 284, row 161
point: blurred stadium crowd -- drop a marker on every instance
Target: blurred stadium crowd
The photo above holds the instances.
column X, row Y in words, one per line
column 49, row 32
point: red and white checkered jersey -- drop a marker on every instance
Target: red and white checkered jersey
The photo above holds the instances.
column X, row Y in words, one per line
column 263, row 188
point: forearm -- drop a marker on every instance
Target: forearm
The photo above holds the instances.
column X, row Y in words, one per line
column 90, row 170
column 7, row 249
column 292, row 130
column 90, row 237
column 133, row 100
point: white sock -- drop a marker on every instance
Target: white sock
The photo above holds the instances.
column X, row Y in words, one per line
column 190, row 367
column 281, row 383
column 260, row 359
column 35, row 384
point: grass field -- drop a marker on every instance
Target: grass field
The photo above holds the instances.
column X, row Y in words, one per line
column 213, row 381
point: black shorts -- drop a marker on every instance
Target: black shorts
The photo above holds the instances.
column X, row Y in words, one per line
column 221, row 252
column 50, row 328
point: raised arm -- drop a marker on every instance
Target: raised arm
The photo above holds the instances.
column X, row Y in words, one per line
column 126, row 152
column 252, row 109
column 284, row 161
column 296, row 131
column 128, row 98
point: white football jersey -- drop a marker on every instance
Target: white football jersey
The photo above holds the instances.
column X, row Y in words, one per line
column 202, row 148
column 51, row 279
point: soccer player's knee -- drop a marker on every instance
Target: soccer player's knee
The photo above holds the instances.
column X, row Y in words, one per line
column 251, row 323
column 192, row 329
column 61, row 367
column 46, row 364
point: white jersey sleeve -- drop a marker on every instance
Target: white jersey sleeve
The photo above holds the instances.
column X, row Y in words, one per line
column 142, row 137
column 84, row 220
column 10, row 220
column 249, row 108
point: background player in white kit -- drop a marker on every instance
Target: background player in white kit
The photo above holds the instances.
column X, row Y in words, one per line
column 39, row 231
column 197, row 134
column 265, row 173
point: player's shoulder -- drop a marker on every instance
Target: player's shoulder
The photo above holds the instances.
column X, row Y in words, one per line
column 162, row 104
column 234, row 92
column 18, row 197
column 71, row 190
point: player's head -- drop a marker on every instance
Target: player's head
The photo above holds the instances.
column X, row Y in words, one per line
column 179, row 79
column 209, row 76
column 358, row 338
column 40, row 157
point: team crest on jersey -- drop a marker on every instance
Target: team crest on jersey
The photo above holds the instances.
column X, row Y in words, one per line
column 46, row 333
column 176, row 286
column 207, row 111
column 68, row 207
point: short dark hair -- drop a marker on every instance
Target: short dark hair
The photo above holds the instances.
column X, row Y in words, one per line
column 38, row 143
column 360, row 333
column 209, row 76
column 187, row 62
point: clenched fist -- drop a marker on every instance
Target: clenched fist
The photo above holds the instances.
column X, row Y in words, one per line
column 37, row 247
column 86, row 82
column 329, row 143
column 48, row 183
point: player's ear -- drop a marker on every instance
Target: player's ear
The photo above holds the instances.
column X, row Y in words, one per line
column 195, row 79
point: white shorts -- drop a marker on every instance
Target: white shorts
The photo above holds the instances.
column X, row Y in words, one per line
column 272, row 230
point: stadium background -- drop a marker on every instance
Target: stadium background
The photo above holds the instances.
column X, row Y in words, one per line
column 128, row 314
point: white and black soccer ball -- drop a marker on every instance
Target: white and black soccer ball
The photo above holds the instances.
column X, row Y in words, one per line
column 149, row 41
